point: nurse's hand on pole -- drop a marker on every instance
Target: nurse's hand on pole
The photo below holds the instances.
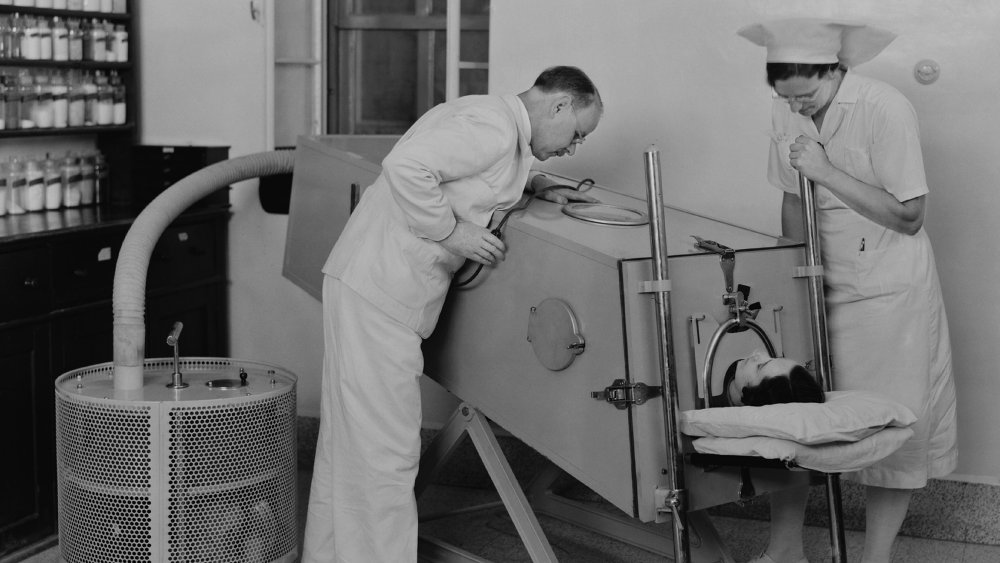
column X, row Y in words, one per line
column 809, row 157
column 475, row 243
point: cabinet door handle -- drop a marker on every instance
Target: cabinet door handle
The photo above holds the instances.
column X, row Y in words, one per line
column 30, row 282
column 80, row 273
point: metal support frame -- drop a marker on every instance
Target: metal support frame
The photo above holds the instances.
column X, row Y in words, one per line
column 468, row 420
column 821, row 351
column 676, row 500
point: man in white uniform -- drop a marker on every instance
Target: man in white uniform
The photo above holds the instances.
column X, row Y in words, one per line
column 858, row 140
column 386, row 281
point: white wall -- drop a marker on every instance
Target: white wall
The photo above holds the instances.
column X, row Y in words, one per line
column 204, row 68
column 675, row 74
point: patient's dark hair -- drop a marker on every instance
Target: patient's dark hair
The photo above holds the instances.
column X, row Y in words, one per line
column 798, row 387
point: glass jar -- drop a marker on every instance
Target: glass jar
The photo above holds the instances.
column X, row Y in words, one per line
column 44, row 40
column 34, row 186
column 12, row 102
column 71, row 179
column 29, row 99
column 16, row 181
column 77, row 106
column 75, row 40
column 96, row 42
column 60, row 100
column 53, row 184
column 86, row 180
column 119, row 110
column 31, row 44
column 60, row 40
column 43, row 112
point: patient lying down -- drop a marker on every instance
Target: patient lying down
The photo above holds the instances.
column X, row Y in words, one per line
column 759, row 380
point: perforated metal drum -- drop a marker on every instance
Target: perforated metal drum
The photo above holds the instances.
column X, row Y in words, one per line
column 206, row 473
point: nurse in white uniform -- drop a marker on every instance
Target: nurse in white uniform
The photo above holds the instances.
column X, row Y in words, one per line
column 858, row 140
column 386, row 280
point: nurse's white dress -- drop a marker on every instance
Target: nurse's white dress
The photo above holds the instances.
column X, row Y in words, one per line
column 886, row 318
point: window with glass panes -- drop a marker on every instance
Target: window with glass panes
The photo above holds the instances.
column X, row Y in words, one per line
column 387, row 61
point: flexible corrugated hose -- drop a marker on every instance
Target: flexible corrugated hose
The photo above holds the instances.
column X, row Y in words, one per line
column 129, row 293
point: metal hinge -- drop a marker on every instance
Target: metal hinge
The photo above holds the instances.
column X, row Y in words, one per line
column 621, row 393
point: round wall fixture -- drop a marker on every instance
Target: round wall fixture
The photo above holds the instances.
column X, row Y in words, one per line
column 926, row 71
column 554, row 334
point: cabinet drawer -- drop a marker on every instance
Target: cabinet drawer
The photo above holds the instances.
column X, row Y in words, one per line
column 24, row 283
column 184, row 254
column 83, row 270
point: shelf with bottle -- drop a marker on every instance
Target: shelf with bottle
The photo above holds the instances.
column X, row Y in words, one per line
column 45, row 183
column 116, row 10
column 31, row 39
column 36, row 102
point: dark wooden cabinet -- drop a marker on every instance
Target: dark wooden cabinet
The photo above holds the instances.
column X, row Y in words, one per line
column 56, row 316
column 27, row 473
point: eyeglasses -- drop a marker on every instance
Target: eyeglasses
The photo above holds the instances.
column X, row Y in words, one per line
column 802, row 98
column 578, row 137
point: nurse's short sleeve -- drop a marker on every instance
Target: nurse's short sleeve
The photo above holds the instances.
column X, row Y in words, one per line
column 897, row 159
column 779, row 169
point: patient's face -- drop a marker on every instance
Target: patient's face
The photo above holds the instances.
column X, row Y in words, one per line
column 759, row 366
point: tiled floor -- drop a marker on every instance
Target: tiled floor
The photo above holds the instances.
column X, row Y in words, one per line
column 490, row 534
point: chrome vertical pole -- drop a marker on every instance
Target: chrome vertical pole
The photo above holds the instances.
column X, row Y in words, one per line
column 676, row 497
column 821, row 350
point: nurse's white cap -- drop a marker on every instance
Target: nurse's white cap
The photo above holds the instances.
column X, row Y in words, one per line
column 818, row 41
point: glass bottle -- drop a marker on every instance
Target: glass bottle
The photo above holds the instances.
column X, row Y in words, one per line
column 86, row 180
column 15, row 186
column 89, row 88
column 43, row 112
column 60, row 40
column 29, row 98
column 14, row 37
column 104, row 114
column 3, row 102
column 102, row 180
column 119, row 110
column 34, row 186
column 44, row 40
column 71, row 178
column 77, row 101
column 30, row 41
column 110, row 53
column 121, row 43
column 53, row 184
column 96, row 42
column 12, row 102
column 75, row 40
column 4, row 195
column 60, row 100
column 5, row 39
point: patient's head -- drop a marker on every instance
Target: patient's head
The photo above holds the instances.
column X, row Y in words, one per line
column 762, row 380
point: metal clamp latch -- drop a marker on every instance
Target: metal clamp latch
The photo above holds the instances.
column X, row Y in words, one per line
column 621, row 394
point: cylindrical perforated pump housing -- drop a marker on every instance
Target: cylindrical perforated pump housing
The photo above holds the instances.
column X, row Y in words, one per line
column 200, row 474
column 149, row 470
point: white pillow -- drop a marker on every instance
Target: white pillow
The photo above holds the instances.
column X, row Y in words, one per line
column 835, row 457
column 846, row 416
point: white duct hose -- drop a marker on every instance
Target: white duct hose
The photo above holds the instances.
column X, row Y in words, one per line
column 129, row 294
